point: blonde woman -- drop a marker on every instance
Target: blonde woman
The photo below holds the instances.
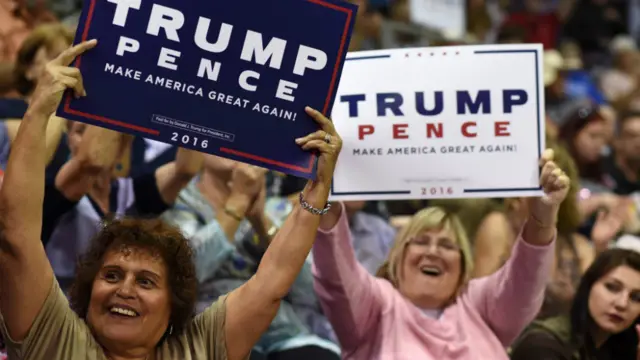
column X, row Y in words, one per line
column 424, row 307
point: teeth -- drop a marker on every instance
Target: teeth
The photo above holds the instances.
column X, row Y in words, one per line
column 122, row 311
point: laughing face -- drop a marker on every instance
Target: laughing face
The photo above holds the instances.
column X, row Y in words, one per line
column 614, row 301
column 130, row 301
column 431, row 270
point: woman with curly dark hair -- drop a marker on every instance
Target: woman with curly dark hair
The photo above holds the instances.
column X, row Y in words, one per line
column 135, row 289
column 133, row 240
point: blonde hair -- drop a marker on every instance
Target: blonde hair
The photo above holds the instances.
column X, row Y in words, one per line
column 431, row 218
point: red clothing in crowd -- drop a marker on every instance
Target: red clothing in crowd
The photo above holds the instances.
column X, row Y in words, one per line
column 541, row 28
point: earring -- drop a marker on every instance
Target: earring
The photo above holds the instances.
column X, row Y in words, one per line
column 170, row 329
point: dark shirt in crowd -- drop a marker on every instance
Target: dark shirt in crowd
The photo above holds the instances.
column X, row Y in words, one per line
column 622, row 185
column 551, row 339
column 12, row 108
column 593, row 26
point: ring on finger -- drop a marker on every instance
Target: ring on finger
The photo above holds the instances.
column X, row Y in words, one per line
column 327, row 138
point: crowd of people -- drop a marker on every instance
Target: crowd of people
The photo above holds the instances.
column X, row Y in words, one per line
column 119, row 247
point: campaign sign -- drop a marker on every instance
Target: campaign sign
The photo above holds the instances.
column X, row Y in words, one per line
column 230, row 78
column 448, row 16
column 441, row 122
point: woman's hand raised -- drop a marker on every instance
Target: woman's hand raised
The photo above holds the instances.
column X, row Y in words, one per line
column 57, row 77
column 555, row 184
column 327, row 142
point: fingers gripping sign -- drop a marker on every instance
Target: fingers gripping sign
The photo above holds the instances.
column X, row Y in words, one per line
column 326, row 141
column 66, row 57
column 555, row 186
column 553, row 180
column 59, row 76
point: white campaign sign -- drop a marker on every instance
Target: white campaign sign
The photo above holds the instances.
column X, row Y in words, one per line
column 447, row 122
column 448, row 16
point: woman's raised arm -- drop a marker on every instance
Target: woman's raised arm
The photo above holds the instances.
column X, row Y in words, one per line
column 511, row 298
column 252, row 307
column 26, row 276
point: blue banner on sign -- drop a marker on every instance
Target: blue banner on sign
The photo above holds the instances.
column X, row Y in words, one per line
column 229, row 78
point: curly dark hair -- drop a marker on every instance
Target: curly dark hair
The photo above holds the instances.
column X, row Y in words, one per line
column 161, row 240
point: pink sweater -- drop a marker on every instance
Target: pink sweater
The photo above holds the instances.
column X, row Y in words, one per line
column 373, row 321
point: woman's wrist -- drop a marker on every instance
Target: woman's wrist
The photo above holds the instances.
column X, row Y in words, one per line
column 316, row 194
column 543, row 224
column 544, row 215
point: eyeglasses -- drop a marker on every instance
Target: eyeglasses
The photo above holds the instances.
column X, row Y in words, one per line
column 442, row 244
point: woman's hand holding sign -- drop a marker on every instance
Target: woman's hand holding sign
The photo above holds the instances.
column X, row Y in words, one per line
column 57, row 77
column 254, row 305
column 23, row 257
column 327, row 142
column 543, row 210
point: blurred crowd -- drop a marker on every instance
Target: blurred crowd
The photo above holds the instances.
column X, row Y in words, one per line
column 592, row 97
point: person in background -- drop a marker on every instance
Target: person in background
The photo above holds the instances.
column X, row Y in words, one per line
column 542, row 25
column 610, row 116
column 367, row 28
column 68, row 11
column 17, row 19
column 372, row 236
column 85, row 191
column 620, row 84
column 579, row 83
column 574, row 252
column 229, row 221
column 593, row 24
column 498, row 231
column 623, row 166
column 135, row 288
column 42, row 45
column 584, row 135
column 603, row 323
column 423, row 304
column 511, row 34
column 479, row 22
column 558, row 101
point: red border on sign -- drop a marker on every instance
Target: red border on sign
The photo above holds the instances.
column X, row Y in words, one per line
column 332, row 85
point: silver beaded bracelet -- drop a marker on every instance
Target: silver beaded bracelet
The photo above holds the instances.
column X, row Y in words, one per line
column 305, row 205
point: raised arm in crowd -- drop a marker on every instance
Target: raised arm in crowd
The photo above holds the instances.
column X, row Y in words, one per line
column 423, row 304
column 138, row 275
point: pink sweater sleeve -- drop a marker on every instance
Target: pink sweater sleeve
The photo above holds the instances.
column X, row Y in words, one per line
column 510, row 299
column 351, row 298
